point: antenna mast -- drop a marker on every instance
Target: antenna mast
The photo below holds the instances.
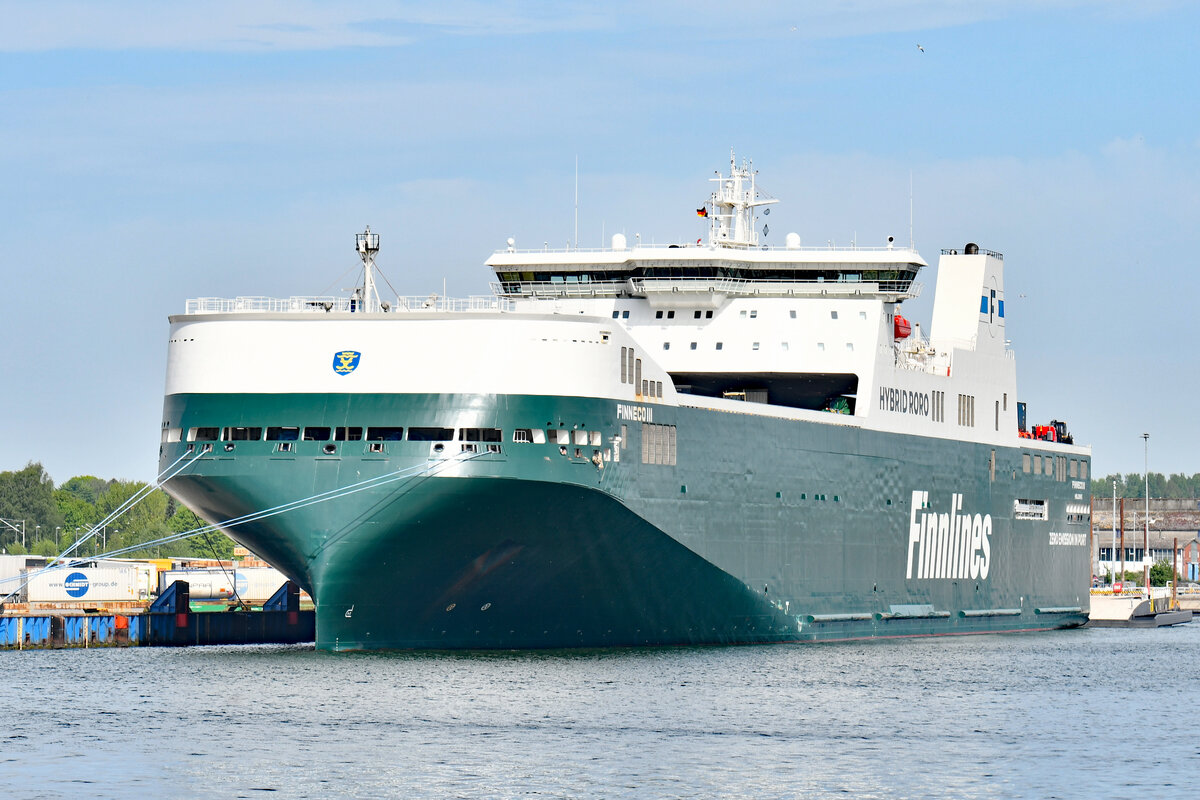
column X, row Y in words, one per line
column 576, row 240
column 367, row 245
column 911, row 244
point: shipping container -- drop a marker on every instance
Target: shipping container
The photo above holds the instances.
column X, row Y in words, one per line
column 257, row 584
column 203, row 584
column 83, row 585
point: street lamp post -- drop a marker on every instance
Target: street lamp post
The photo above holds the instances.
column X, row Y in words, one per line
column 1146, row 523
column 1112, row 558
column 57, row 527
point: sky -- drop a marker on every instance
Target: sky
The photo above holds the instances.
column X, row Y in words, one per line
column 155, row 152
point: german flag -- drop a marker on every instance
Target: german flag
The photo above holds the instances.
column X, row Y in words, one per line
column 701, row 212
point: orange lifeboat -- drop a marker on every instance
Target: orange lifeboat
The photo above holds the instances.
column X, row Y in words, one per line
column 902, row 328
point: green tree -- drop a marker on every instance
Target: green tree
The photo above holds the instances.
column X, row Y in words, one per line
column 28, row 494
column 76, row 512
column 1161, row 573
column 87, row 488
column 136, row 523
column 44, row 547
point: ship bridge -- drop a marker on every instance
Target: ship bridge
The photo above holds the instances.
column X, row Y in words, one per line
column 730, row 263
column 646, row 271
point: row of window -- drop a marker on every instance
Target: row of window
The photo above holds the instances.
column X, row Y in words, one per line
column 1134, row 554
column 671, row 314
column 631, row 372
column 966, row 410
column 324, row 433
column 471, row 439
column 764, row 272
column 1059, row 466
column 757, row 345
column 708, row 314
column 938, row 411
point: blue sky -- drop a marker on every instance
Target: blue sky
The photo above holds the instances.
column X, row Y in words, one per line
column 151, row 153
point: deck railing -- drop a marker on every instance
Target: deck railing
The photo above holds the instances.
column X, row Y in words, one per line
column 327, row 305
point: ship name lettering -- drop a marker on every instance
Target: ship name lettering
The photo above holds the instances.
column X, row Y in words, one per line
column 949, row 546
column 903, row 401
column 636, row 413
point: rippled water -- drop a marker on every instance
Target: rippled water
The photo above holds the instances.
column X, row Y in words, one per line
column 1090, row 713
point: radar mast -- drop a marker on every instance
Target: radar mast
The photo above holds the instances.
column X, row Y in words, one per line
column 367, row 245
column 731, row 223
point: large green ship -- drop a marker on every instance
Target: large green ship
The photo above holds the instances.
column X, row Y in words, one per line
column 717, row 442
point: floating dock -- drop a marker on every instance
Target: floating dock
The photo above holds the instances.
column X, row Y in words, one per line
column 1135, row 611
column 168, row 622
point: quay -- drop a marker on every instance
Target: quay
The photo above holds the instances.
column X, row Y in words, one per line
column 169, row 622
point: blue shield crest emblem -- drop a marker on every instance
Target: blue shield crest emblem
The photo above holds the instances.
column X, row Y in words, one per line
column 346, row 361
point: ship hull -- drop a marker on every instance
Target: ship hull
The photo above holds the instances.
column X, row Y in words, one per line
column 748, row 529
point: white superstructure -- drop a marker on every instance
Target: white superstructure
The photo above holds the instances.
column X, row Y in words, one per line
column 790, row 331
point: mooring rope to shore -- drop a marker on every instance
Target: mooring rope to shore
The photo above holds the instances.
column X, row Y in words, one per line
column 59, row 561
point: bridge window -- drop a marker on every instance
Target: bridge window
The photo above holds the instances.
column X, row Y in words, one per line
column 283, row 434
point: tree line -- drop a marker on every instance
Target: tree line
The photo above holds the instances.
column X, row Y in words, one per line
column 1175, row 487
column 55, row 517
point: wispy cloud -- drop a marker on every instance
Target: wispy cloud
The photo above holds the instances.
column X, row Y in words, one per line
column 217, row 25
column 274, row 25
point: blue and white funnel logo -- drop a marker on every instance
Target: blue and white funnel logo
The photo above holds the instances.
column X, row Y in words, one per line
column 76, row 584
column 346, row 361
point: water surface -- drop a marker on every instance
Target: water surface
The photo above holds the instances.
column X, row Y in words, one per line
column 1089, row 713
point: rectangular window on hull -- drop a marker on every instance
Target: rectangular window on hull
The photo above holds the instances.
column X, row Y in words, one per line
column 479, row 435
column 317, row 434
column 242, row 434
column 346, row 434
column 282, row 434
column 430, row 434
column 385, row 434
column 203, row 434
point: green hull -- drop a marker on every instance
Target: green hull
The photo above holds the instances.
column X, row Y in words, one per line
column 763, row 530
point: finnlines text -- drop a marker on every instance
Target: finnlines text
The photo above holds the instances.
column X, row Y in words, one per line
column 903, row 401
column 950, row 545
